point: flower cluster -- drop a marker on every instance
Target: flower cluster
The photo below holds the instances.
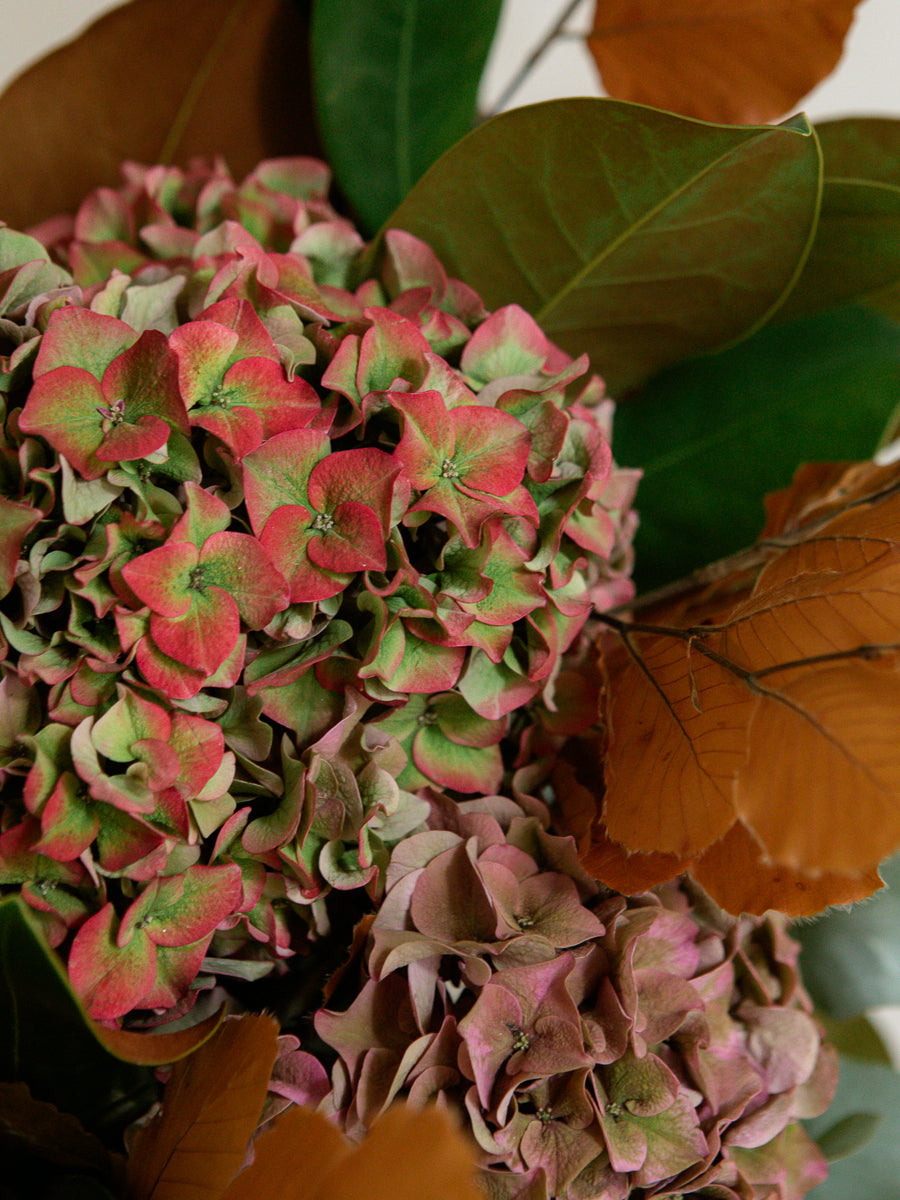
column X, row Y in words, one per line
column 290, row 535
column 597, row 1047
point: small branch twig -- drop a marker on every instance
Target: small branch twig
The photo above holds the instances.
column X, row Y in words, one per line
column 540, row 49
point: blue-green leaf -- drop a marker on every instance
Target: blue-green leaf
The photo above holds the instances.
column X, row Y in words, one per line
column 871, row 1173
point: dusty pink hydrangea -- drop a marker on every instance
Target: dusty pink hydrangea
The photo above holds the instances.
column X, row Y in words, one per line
column 597, row 1047
column 285, row 542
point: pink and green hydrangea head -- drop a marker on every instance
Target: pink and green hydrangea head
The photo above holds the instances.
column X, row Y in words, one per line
column 289, row 548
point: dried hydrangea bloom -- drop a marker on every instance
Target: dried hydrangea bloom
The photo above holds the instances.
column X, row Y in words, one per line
column 290, row 536
column 599, row 1047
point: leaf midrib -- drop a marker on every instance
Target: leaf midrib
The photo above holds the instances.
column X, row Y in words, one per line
column 403, row 93
column 553, row 302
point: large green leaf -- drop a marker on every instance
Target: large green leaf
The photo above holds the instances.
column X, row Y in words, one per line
column 856, row 252
column 640, row 237
column 851, row 960
column 872, row 1172
column 395, row 84
column 716, row 434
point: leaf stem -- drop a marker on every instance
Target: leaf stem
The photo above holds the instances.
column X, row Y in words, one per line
column 540, row 49
column 198, row 83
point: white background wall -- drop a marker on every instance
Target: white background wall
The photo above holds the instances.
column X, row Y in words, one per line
column 867, row 80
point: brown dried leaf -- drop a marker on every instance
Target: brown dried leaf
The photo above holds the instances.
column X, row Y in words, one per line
column 734, row 61
column 155, row 80
column 211, row 1106
column 733, row 872
column 408, row 1155
column 768, row 702
column 41, row 1129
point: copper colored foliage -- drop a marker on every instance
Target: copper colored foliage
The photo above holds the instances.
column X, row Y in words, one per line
column 391, row 1164
column 213, row 1104
column 734, row 61
column 151, row 81
column 752, row 719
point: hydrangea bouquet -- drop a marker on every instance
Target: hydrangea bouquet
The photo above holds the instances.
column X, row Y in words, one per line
column 354, row 797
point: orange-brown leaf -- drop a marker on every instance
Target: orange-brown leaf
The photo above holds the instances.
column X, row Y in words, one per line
column 209, row 77
column 677, row 738
column 408, row 1155
column 628, row 872
column 733, row 872
column 211, row 1106
column 741, row 61
column 291, row 1158
column 777, row 715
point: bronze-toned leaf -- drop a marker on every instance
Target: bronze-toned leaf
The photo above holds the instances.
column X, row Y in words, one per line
column 741, row 61
column 211, row 1106
column 408, row 1155
column 299, row 1135
column 41, row 1129
column 755, row 717
column 733, row 871
column 154, row 81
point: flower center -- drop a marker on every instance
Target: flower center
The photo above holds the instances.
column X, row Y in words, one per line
column 522, row 1040
column 449, row 469
column 323, row 522
column 544, row 1115
column 196, row 579
column 115, row 414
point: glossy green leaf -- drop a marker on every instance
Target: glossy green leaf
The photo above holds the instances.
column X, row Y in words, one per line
column 714, row 435
column 851, row 960
column 395, row 85
column 872, row 1172
column 47, row 1041
column 640, row 237
column 856, row 252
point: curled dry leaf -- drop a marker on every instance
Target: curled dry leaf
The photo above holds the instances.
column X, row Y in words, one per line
column 210, row 1108
column 408, row 1155
column 740, row 61
column 155, row 81
column 752, row 720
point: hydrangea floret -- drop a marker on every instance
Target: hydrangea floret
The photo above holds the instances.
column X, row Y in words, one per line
column 287, row 544
column 598, row 1047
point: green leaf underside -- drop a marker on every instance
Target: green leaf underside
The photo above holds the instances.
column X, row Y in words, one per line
column 714, row 435
column 636, row 236
column 395, row 84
